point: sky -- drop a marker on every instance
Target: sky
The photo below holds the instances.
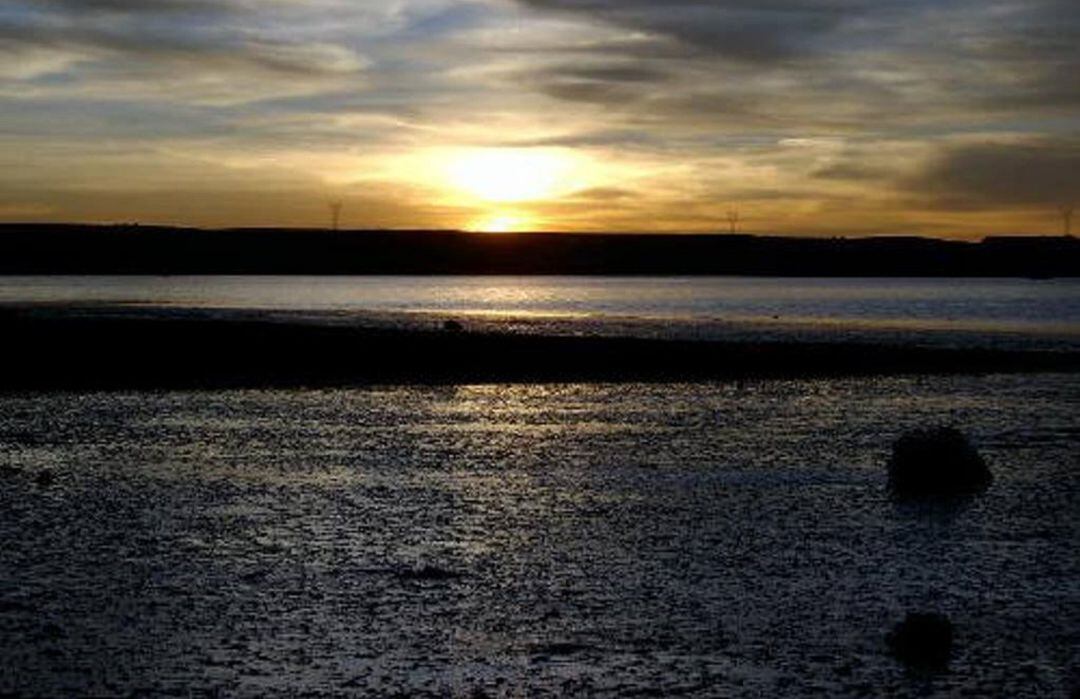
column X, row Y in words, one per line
column 949, row 118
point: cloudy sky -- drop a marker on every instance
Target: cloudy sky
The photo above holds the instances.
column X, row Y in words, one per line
column 938, row 117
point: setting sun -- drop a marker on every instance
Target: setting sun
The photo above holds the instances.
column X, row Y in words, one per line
column 509, row 175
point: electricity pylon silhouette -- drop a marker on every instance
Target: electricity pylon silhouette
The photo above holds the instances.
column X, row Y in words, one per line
column 335, row 214
column 733, row 220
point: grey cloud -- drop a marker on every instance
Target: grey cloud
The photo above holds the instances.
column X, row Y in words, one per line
column 218, row 52
column 606, row 73
column 598, row 92
column 605, row 194
column 602, row 82
column 590, row 139
column 1045, row 172
column 880, row 59
column 1038, row 61
column 150, row 6
column 851, row 171
column 762, row 32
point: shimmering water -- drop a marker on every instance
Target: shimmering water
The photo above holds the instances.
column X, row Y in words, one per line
column 1009, row 305
column 729, row 539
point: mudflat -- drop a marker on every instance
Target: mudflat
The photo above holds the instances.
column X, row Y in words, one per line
column 58, row 347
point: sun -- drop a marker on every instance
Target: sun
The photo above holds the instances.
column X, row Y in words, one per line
column 511, row 174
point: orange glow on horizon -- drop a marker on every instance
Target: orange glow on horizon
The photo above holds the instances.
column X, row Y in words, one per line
column 502, row 223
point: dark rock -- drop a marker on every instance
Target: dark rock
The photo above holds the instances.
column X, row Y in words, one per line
column 922, row 641
column 428, row 573
column 453, row 326
column 936, row 461
column 45, row 478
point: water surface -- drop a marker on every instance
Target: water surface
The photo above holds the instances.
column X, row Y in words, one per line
column 1004, row 303
column 730, row 539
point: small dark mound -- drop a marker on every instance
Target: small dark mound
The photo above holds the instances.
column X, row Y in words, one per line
column 561, row 648
column 937, row 461
column 45, row 478
column 428, row 573
column 922, row 641
column 453, row 326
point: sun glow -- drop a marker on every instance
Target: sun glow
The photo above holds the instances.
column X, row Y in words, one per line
column 502, row 223
column 512, row 175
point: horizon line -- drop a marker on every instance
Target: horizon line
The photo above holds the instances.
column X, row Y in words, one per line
column 497, row 234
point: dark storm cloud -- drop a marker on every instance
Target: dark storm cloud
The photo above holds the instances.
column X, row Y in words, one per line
column 1045, row 172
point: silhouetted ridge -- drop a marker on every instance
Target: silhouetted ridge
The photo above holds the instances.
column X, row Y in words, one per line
column 79, row 249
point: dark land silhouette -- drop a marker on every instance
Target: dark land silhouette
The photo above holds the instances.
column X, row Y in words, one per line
column 74, row 348
column 132, row 249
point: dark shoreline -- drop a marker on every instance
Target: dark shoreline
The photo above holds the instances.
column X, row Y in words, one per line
column 64, row 348
column 133, row 249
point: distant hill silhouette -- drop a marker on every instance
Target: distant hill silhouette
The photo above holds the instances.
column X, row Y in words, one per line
column 86, row 249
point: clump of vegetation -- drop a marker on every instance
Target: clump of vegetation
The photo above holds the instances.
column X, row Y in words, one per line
column 936, row 461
